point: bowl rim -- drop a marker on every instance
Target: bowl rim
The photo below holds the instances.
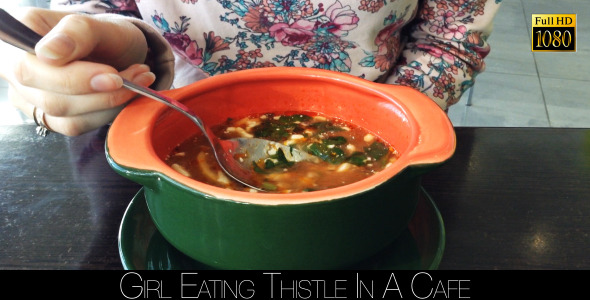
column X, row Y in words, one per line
column 432, row 136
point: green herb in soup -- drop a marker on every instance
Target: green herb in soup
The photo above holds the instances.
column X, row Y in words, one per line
column 347, row 153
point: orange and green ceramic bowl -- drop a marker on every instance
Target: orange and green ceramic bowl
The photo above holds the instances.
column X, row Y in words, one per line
column 323, row 229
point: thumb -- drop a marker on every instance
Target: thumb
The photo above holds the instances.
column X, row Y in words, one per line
column 77, row 37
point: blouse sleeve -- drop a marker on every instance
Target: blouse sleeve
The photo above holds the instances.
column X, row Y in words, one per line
column 160, row 56
column 122, row 7
column 446, row 47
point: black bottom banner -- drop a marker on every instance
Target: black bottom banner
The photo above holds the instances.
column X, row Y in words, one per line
column 347, row 284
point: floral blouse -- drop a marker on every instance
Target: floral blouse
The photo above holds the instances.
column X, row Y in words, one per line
column 435, row 46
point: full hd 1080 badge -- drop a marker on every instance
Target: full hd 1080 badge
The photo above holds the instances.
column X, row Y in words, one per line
column 554, row 32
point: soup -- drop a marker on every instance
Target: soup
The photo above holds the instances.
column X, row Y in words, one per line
column 347, row 153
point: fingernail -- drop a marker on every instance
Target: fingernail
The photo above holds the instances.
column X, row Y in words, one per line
column 142, row 68
column 145, row 79
column 106, row 82
column 55, row 46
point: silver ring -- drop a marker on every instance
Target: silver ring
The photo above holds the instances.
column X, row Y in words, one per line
column 39, row 118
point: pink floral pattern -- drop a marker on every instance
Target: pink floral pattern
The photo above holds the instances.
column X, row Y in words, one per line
column 441, row 55
column 454, row 52
column 297, row 33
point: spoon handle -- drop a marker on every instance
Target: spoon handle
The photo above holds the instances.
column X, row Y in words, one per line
column 166, row 100
column 13, row 32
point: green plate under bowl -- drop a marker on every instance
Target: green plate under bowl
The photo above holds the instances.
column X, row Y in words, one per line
column 419, row 247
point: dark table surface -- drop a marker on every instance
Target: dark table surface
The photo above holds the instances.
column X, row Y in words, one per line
column 510, row 198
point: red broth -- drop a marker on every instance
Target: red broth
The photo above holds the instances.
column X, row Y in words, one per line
column 348, row 153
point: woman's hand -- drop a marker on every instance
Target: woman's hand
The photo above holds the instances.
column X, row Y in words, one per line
column 76, row 76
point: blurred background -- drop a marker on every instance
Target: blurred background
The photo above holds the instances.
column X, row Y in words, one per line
column 519, row 88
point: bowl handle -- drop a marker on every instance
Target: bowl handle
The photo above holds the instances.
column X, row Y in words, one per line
column 146, row 178
column 434, row 135
column 128, row 147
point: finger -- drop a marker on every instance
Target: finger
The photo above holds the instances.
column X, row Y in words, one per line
column 78, row 77
column 76, row 36
column 84, row 122
column 76, row 125
column 38, row 19
column 58, row 104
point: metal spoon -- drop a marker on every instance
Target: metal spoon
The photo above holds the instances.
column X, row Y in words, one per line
column 19, row 35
